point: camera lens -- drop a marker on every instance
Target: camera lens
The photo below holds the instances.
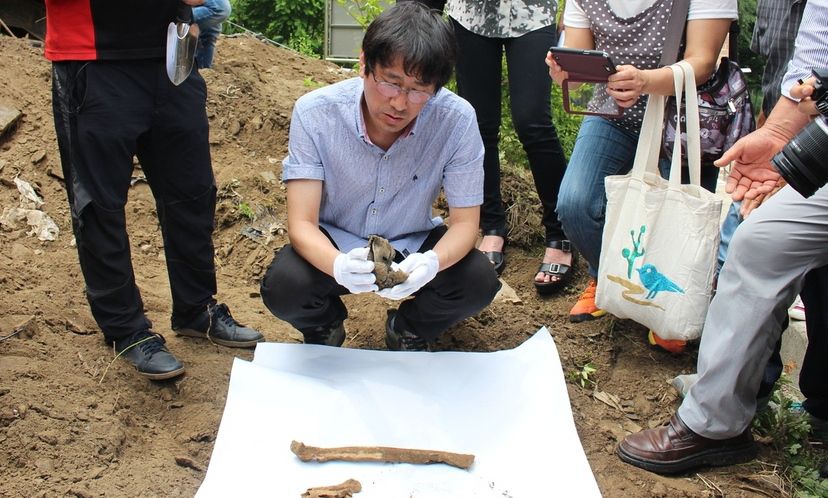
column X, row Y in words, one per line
column 803, row 162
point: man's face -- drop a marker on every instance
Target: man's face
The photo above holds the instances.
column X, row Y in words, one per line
column 387, row 116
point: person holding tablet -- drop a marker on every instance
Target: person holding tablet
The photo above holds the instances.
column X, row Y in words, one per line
column 633, row 34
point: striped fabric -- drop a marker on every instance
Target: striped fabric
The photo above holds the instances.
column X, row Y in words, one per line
column 777, row 22
column 811, row 45
column 367, row 190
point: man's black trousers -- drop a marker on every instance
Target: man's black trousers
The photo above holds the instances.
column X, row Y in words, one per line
column 105, row 113
column 298, row 293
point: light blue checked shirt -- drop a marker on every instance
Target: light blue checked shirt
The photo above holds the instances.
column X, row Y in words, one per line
column 367, row 190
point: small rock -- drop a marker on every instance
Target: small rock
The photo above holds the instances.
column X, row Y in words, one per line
column 48, row 438
column 188, row 462
column 235, row 128
column 38, row 156
column 46, row 466
column 96, row 473
column 269, row 176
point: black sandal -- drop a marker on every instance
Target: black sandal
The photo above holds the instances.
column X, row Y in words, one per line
column 498, row 258
column 562, row 272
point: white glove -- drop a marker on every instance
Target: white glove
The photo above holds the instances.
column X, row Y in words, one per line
column 421, row 268
column 354, row 272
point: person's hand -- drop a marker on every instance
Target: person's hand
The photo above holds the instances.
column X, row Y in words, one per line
column 555, row 71
column 804, row 91
column 749, row 205
column 421, row 268
column 354, row 272
column 752, row 173
column 626, row 85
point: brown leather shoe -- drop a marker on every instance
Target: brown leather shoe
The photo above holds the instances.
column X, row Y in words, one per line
column 675, row 449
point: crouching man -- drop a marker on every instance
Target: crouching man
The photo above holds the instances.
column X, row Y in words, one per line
column 368, row 156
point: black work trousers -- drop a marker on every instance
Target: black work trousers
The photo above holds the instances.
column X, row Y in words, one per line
column 297, row 292
column 105, row 113
column 479, row 82
column 813, row 378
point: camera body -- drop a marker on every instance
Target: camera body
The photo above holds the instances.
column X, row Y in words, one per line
column 802, row 162
column 820, row 95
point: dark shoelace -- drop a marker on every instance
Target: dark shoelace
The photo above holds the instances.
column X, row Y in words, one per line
column 149, row 343
column 220, row 312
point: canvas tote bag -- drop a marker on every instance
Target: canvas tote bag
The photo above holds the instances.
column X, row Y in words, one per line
column 658, row 251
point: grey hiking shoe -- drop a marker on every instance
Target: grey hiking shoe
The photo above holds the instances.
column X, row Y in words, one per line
column 332, row 334
column 217, row 324
column 147, row 352
column 401, row 340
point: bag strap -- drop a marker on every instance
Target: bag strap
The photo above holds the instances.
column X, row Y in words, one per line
column 649, row 138
column 675, row 164
column 678, row 18
column 683, row 72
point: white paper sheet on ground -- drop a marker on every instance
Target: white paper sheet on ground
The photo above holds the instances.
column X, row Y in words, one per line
column 508, row 408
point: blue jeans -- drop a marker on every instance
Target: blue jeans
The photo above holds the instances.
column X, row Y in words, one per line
column 209, row 17
column 729, row 225
column 601, row 149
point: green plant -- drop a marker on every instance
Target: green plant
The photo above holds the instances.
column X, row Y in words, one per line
column 364, row 11
column 582, row 375
column 309, row 82
column 786, row 425
column 298, row 24
column 246, row 211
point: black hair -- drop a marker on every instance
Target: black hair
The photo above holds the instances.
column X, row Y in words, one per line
column 416, row 34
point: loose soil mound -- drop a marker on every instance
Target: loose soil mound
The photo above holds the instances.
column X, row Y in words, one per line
column 67, row 429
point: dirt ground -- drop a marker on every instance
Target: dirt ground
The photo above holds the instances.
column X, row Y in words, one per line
column 70, row 427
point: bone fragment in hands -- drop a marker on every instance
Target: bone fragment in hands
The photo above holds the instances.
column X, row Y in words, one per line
column 381, row 252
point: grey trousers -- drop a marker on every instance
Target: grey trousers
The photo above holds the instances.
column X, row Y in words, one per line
column 769, row 255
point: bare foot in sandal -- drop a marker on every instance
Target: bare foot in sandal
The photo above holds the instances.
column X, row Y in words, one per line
column 553, row 256
column 556, row 268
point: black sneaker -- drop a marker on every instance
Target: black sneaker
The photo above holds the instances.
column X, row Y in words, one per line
column 332, row 334
column 147, row 352
column 403, row 340
column 217, row 324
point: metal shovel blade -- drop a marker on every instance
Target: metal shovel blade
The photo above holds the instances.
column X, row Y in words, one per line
column 182, row 41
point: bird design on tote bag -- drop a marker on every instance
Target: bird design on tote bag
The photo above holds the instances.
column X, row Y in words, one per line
column 656, row 282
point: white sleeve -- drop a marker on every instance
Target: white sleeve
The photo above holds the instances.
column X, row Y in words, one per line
column 574, row 15
column 713, row 9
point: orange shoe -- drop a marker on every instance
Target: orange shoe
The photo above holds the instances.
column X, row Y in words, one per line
column 671, row 345
column 585, row 308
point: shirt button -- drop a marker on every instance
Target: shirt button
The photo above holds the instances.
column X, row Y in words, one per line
column 382, row 189
column 373, row 211
column 384, row 158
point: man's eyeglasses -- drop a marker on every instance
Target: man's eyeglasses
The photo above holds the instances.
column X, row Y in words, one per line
column 391, row 91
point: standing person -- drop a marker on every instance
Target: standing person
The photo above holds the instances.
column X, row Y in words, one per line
column 633, row 33
column 112, row 100
column 771, row 256
column 370, row 155
column 209, row 17
column 524, row 30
